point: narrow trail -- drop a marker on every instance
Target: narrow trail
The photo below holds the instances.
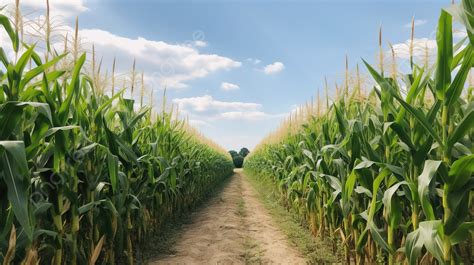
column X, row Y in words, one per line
column 234, row 228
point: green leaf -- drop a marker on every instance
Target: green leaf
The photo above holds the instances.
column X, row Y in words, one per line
column 375, row 188
column 54, row 130
column 420, row 117
column 462, row 129
column 335, row 183
column 426, row 235
column 412, row 92
column 112, row 164
column 51, row 76
column 10, row 115
column 402, row 135
column 460, row 173
column 72, row 89
column 341, row 121
column 362, row 240
column 3, row 57
column 364, row 164
column 14, row 169
column 460, row 55
column 28, row 76
column 42, row 108
column 350, row 184
column 378, row 238
column 462, row 233
column 444, row 37
column 458, row 203
column 388, row 198
column 5, row 22
column 308, row 154
column 137, row 117
column 424, row 181
column 455, row 89
column 108, row 103
column 23, row 60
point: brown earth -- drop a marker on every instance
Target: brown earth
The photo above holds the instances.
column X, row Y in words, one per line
column 234, row 228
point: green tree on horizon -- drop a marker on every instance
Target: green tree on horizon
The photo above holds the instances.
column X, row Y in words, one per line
column 239, row 157
column 233, row 153
column 244, row 152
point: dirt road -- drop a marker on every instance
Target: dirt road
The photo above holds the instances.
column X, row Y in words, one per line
column 234, row 228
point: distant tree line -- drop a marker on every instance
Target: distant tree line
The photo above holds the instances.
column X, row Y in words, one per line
column 239, row 157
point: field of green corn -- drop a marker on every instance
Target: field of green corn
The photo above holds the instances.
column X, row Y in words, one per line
column 388, row 174
column 85, row 177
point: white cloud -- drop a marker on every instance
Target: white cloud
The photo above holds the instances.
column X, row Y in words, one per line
column 417, row 22
column 420, row 46
column 167, row 65
column 208, row 103
column 229, row 86
column 207, row 109
column 273, row 68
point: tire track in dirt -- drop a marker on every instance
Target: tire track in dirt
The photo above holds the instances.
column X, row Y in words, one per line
column 234, row 228
column 272, row 242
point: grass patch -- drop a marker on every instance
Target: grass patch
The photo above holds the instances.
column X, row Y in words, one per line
column 252, row 253
column 315, row 251
column 241, row 211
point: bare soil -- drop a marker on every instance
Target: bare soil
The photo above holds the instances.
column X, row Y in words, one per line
column 234, row 228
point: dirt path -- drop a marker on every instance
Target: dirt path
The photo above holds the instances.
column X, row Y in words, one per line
column 234, row 228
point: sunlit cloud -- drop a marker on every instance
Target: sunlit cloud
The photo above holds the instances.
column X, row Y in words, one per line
column 229, row 86
column 274, row 68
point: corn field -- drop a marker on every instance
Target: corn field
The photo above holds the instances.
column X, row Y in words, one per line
column 86, row 176
column 387, row 173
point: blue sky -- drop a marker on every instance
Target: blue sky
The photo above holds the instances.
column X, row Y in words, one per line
column 236, row 68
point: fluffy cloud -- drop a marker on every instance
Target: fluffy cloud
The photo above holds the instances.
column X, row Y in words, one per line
column 417, row 22
column 229, row 86
column 208, row 104
column 207, row 109
column 273, row 68
column 402, row 50
column 173, row 64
